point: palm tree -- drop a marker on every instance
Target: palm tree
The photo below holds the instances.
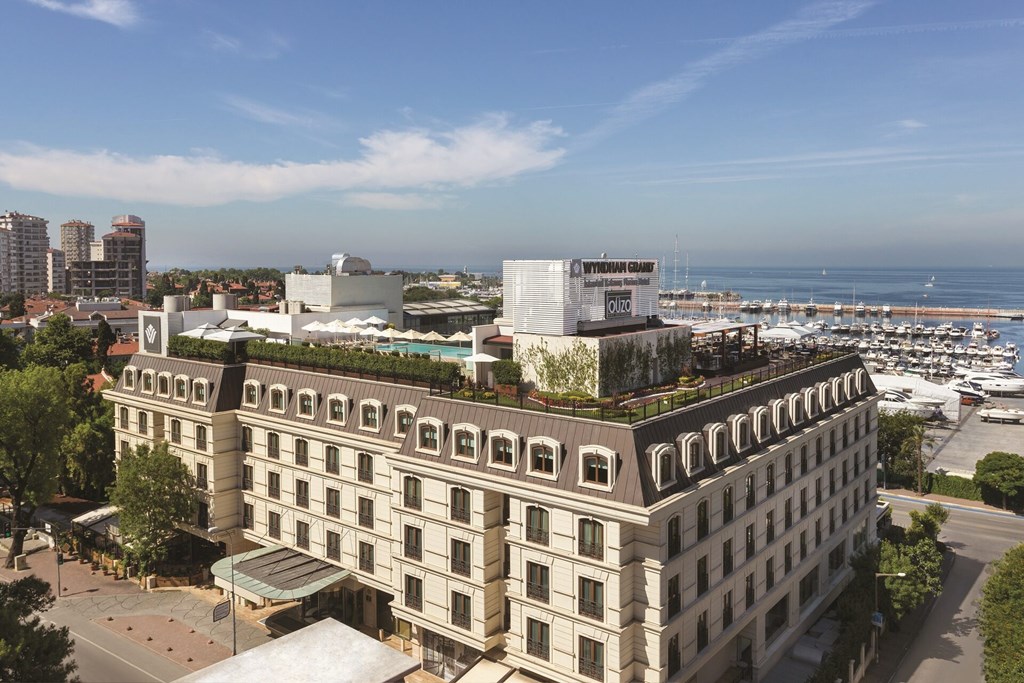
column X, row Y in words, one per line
column 914, row 445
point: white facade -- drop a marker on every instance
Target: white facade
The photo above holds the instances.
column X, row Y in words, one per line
column 55, row 271
column 23, row 256
column 352, row 294
column 553, row 296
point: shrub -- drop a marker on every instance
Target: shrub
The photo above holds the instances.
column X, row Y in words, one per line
column 205, row 349
column 507, row 372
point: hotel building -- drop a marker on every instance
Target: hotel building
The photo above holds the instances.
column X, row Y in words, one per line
column 695, row 542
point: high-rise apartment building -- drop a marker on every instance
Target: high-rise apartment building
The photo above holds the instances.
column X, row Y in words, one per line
column 75, row 236
column 674, row 545
column 116, row 263
column 23, row 245
column 55, row 271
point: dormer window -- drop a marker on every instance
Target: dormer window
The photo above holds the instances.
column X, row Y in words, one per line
column 337, row 408
column 251, row 394
column 428, row 436
column 199, row 391
column 503, row 449
column 719, row 443
column 810, row 402
column 596, row 468
column 404, row 417
column 663, row 462
column 129, row 377
column 796, row 409
column 780, row 415
column 692, row 446
column 466, row 442
column 370, row 415
column 543, row 457
column 305, row 405
column 762, row 423
column 824, row 396
column 180, row 388
column 740, row 432
column 163, row 385
column 862, row 381
column 147, row 381
column 277, row 398
column 838, row 392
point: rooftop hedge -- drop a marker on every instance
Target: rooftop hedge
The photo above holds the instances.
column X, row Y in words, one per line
column 204, row 349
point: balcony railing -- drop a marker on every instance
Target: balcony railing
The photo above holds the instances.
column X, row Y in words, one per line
column 461, row 567
column 333, row 510
column 365, row 520
column 537, row 591
column 365, row 476
column 537, row 535
column 673, row 605
column 414, row 602
column 366, row 565
column 591, row 669
column 246, row 484
column 460, row 515
column 274, row 491
column 413, row 551
column 591, row 608
column 201, row 483
column 333, row 552
column 413, row 502
column 592, row 550
column 248, row 523
column 302, row 500
column 462, row 620
column 274, row 532
column 201, row 444
column 538, row 648
column 302, row 542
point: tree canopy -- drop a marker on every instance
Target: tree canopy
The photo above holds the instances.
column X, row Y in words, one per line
column 29, row 649
column 893, row 432
column 34, row 418
column 88, row 445
column 154, row 494
column 1001, row 471
column 1002, row 604
column 10, row 350
column 59, row 344
column 105, row 338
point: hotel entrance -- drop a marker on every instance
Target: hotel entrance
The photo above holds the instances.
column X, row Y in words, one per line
column 444, row 657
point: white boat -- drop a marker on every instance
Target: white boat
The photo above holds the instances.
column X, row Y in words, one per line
column 837, row 309
column 811, row 308
column 997, row 383
column 887, row 310
column 859, row 309
column 896, row 402
column 978, row 331
column 1001, row 414
column 967, row 389
column 783, row 306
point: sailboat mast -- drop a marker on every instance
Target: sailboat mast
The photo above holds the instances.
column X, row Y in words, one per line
column 675, row 267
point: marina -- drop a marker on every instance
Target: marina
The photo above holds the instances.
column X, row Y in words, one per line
column 858, row 310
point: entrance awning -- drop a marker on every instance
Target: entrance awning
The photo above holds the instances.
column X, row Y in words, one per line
column 278, row 573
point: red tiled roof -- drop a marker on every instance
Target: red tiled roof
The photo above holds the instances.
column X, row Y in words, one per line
column 97, row 381
column 123, row 348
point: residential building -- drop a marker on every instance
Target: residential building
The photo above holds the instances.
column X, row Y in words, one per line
column 75, row 236
column 650, row 549
column 117, row 262
column 55, row 271
column 23, row 245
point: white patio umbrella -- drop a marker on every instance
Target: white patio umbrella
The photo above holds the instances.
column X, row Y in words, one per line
column 315, row 326
column 480, row 358
column 234, row 335
column 202, row 332
column 390, row 334
column 433, row 336
column 411, row 335
column 355, row 322
column 460, row 337
column 369, row 332
column 374, row 320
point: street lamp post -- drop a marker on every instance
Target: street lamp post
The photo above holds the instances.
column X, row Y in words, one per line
column 880, row 575
column 213, row 531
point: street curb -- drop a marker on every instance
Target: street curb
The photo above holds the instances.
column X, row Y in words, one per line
column 928, row 610
column 952, row 506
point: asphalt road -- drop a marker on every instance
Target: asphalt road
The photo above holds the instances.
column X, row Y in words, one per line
column 949, row 645
column 106, row 657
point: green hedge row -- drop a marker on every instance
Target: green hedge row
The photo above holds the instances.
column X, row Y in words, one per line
column 204, row 349
column 417, row 369
column 953, row 486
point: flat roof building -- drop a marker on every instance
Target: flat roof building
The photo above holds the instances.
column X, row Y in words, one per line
column 23, row 245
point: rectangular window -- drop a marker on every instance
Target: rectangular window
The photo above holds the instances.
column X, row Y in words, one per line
column 366, row 513
column 366, row 561
column 302, row 493
column 674, row 599
column 803, row 460
column 538, row 639
column 333, row 546
column 201, row 476
column 413, row 542
column 175, row 431
column 702, row 575
column 591, row 540
column 846, row 474
column 332, row 460
column 703, row 522
column 769, row 525
column 248, row 516
column 770, row 480
column 788, row 558
column 817, row 492
column 751, row 491
column 750, row 541
column 369, row 417
column 200, row 437
column 143, row 422
column 789, row 468
column 404, row 422
column 538, row 586
column 817, row 532
column 591, row 658
column 727, row 557
column 702, row 631
column 803, row 502
column 808, row 586
column 333, row 506
column 203, row 521
column 727, row 506
column 274, row 484
column 787, row 512
column 246, row 439
column 674, row 537
column 832, row 482
column 365, row 466
column 460, row 507
column 413, row 493
column 748, row 586
column 775, row 619
column 414, row 593
column 273, row 445
column 591, row 600
column 769, row 573
column 462, row 610
column 274, row 525
column 542, row 459
column 302, row 535
column 462, row 560
column 727, row 610
column 537, row 525
column 302, row 452
column 465, row 444
column 819, row 451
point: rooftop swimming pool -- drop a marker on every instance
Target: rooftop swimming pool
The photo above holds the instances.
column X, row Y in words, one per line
column 434, row 350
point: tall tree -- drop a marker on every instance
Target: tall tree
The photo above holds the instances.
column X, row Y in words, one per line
column 59, row 344
column 34, row 417
column 105, row 338
column 912, row 449
column 15, row 303
column 154, row 493
column 88, row 446
column 30, row 650
column 1002, row 604
column 922, row 564
column 10, row 350
column 1002, row 471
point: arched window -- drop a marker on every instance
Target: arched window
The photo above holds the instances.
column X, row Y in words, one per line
column 461, row 505
column 502, row 452
column 537, row 529
column 147, row 381
column 403, row 421
column 666, row 471
column 591, row 539
column 180, row 388
column 428, row 436
column 163, row 385
column 332, row 459
column 365, row 467
column 201, row 437
column 337, row 409
column 175, row 431
column 542, row 459
column 123, row 415
column 465, row 443
column 307, row 403
column 277, row 399
column 246, row 439
column 412, row 493
column 273, row 445
column 199, row 391
column 302, row 452
column 251, row 396
column 369, row 415
column 595, row 469
column 129, row 377
column 143, row 422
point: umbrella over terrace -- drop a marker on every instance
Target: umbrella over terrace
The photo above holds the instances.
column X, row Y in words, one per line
column 433, row 336
column 374, row 320
column 370, row 332
column 355, row 322
column 460, row 337
column 202, row 332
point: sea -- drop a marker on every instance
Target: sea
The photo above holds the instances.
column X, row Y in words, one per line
column 977, row 287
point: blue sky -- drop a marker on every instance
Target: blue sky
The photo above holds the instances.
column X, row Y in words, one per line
column 260, row 132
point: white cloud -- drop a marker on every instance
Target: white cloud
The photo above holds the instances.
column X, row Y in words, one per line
column 490, row 150
column 265, row 113
column 120, row 13
column 394, row 201
column 910, row 124
column 268, row 46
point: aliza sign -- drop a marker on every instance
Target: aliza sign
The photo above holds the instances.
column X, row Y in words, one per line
column 618, row 304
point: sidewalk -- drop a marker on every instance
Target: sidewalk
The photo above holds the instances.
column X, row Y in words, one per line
column 895, row 644
column 945, row 501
